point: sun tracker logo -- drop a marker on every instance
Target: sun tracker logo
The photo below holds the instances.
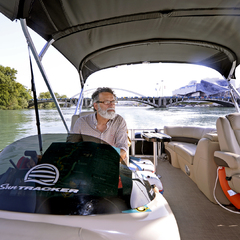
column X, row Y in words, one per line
column 45, row 174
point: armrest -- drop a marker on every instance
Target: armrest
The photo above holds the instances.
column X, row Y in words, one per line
column 211, row 136
column 227, row 159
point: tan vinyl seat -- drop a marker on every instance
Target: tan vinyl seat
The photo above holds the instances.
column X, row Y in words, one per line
column 192, row 150
column 228, row 129
column 205, row 168
column 75, row 117
column 183, row 146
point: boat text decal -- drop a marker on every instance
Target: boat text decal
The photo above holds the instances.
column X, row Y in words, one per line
column 7, row 186
column 44, row 174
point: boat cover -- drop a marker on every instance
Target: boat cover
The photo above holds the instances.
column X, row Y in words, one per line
column 98, row 34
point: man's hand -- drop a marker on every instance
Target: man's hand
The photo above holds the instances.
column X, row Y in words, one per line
column 123, row 155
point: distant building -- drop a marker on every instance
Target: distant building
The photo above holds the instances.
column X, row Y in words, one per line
column 206, row 87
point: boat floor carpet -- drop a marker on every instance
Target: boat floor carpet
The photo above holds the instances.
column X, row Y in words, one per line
column 197, row 217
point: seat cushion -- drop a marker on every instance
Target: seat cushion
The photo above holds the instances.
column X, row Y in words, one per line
column 186, row 151
column 172, row 144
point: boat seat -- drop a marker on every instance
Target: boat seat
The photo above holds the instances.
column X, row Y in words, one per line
column 186, row 151
column 76, row 116
column 228, row 129
column 205, row 168
column 192, row 150
column 183, row 145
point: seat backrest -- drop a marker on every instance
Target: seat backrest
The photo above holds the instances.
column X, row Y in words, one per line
column 75, row 117
column 228, row 129
column 190, row 134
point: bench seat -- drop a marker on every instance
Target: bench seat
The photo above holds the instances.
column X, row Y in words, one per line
column 192, row 150
column 186, row 151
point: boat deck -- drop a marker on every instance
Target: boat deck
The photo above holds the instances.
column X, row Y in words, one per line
column 197, row 217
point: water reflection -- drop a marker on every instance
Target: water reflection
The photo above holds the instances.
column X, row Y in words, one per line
column 16, row 124
column 158, row 118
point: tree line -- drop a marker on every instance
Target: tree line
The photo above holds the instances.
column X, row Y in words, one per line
column 44, row 95
column 14, row 95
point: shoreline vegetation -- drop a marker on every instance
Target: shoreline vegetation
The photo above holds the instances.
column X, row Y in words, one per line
column 15, row 96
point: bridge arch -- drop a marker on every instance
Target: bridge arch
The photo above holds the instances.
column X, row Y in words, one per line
column 121, row 89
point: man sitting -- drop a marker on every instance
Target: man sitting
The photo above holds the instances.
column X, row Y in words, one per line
column 105, row 124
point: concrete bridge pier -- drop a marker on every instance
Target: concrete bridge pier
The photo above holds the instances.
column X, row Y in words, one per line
column 67, row 103
column 76, row 101
column 87, row 102
column 164, row 103
column 161, row 102
column 154, row 100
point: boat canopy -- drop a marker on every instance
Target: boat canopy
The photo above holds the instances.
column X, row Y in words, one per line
column 98, row 34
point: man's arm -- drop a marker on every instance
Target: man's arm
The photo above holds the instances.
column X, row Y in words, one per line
column 123, row 155
column 121, row 139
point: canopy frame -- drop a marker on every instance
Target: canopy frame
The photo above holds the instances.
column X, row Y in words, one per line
column 38, row 59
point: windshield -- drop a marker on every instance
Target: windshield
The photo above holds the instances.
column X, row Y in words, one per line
column 74, row 175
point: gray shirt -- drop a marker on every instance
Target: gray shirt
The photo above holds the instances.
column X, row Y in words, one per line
column 115, row 134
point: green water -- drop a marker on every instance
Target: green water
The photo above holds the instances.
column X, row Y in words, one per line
column 16, row 124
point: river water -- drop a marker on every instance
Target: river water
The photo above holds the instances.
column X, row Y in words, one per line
column 16, row 124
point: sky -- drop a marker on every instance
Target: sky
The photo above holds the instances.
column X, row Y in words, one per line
column 161, row 78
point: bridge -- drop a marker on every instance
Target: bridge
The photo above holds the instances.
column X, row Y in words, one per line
column 163, row 102
column 156, row 102
column 63, row 102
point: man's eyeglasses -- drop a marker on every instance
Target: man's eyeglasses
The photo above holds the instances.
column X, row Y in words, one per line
column 107, row 102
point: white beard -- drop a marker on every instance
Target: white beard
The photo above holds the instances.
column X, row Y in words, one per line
column 105, row 113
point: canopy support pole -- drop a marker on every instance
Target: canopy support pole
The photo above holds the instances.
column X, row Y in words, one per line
column 45, row 48
column 232, row 89
column 40, row 66
column 79, row 102
column 80, row 98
